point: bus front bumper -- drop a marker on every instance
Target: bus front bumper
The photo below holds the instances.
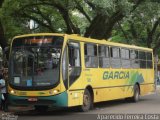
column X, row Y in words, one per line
column 60, row 100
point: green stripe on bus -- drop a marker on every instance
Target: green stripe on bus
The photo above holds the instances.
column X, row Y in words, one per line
column 60, row 100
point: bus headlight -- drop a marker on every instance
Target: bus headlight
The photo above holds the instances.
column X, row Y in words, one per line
column 55, row 91
column 51, row 92
column 12, row 92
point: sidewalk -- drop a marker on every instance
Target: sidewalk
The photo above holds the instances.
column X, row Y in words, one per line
column 158, row 89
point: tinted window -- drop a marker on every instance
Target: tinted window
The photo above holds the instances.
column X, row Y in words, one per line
column 149, row 60
column 115, row 52
column 104, row 61
column 134, row 59
column 142, row 59
column 124, row 53
column 149, row 56
column 134, row 54
column 91, row 60
column 115, row 57
column 125, row 58
column 142, row 55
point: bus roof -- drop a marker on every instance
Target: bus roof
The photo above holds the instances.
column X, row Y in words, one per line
column 89, row 40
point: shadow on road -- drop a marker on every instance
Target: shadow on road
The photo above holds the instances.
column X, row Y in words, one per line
column 74, row 110
column 116, row 103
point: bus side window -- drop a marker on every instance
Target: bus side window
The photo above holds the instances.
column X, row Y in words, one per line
column 142, row 59
column 115, row 57
column 74, row 61
column 134, row 59
column 149, row 60
column 91, row 59
column 104, row 61
column 125, row 58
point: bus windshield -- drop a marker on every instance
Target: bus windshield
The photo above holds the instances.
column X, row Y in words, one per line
column 35, row 61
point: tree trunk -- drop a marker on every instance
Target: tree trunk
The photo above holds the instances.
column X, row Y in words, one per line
column 3, row 42
column 102, row 25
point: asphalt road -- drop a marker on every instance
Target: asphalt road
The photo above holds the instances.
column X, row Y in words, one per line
column 149, row 104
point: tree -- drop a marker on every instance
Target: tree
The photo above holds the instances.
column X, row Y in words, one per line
column 142, row 27
column 3, row 42
column 89, row 18
column 127, row 21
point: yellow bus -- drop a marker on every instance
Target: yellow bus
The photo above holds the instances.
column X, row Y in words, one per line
column 61, row 70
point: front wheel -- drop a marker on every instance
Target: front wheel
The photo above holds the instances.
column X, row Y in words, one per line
column 87, row 101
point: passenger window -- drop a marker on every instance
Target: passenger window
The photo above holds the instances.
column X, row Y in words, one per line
column 149, row 60
column 115, row 57
column 125, row 58
column 104, row 61
column 91, row 60
column 134, row 59
column 142, row 59
column 115, row 52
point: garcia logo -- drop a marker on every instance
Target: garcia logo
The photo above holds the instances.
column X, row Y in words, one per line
column 115, row 75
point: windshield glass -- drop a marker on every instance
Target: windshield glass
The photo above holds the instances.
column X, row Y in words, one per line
column 35, row 61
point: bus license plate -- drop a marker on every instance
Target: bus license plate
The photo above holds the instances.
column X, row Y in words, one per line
column 32, row 99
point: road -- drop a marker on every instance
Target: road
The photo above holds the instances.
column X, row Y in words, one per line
column 149, row 104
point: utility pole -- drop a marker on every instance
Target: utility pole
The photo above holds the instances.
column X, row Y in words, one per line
column 156, row 70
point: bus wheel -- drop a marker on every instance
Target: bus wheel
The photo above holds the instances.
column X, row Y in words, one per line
column 41, row 108
column 136, row 95
column 87, row 101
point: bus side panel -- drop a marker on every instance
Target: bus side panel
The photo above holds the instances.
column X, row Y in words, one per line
column 148, row 85
column 136, row 76
column 146, row 89
column 145, row 78
column 110, row 84
column 75, row 98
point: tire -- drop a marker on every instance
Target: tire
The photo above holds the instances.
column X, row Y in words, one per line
column 136, row 95
column 41, row 108
column 87, row 101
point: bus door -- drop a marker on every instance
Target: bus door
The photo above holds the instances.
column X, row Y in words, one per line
column 74, row 71
column 74, row 62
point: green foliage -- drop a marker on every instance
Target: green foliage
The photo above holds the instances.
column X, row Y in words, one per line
column 139, row 26
column 111, row 6
column 124, row 21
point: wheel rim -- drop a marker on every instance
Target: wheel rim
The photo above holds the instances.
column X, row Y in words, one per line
column 86, row 101
column 137, row 95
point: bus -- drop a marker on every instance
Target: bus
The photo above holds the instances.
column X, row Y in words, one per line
column 61, row 70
